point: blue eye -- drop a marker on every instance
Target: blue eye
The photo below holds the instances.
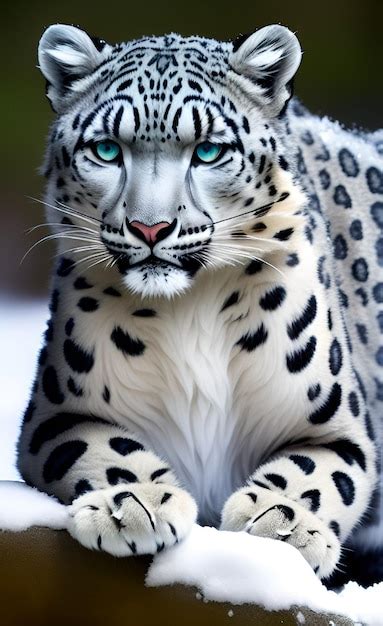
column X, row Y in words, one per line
column 207, row 152
column 107, row 150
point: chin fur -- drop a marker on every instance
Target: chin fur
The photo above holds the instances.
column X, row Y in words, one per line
column 157, row 281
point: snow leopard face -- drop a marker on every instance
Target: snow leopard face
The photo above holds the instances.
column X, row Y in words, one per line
column 170, row 147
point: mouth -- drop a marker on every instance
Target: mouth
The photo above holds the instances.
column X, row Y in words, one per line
column 152, row 263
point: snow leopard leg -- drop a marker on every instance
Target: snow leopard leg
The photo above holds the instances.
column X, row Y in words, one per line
column 123, row 498
column 310, row 496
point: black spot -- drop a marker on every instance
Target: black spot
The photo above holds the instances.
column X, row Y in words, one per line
column 348, row 163
column 283, row 163
column 329, row 407
column 54, row 303
column 308, row 315
column 314, row 496
column 79, row 360
column 260, row 484
column 343, row 298
column 377, row 213
column 277, row 480
column 69, row 326
column 313, row 392
column 81, row 283
column 111, row 291
column 158, row 473
column 362, row 294
column 323, row 275
column 51, row 386
column 124, row 342
column 62, row 458
column 369, row 427
column 272, row 299
column 43, row 356
column 125, row 446
column 345, row 487
column 348, row 451
column 56, row 425
column 356, row 230
column 292, row 260
column 230, row 300
column 74, row 388
column 379, row 251
column 82, row 486
column 65, row 267
column 254, row 267
column 374, row 179
column 116, row 475
column 340, row 247
column 299, row 359
column 335, row 527
column 251, row 341
column 144, row 313
column 379, row 356
column 377, row 292
column 66, row 157
column 49, row 331
column 31, row 408
column 335, row 357
column 341, row 197
column 329, row 319
column 106, row 394
column 88, row 304
column 165, row 497
column 252, row 496
column 359, row 270
column 306, row 464
column 324, row 179
column 307, row 138
column 353, row 403
column 284, row 235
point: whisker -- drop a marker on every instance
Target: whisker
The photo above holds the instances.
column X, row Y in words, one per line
column 63, row 208
column 254, row 211
column 47, row 224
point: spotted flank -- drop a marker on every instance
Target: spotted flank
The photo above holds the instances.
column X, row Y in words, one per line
column 215, row 344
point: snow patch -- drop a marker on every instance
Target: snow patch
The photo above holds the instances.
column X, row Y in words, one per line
column 240, row 568
column 22, row 507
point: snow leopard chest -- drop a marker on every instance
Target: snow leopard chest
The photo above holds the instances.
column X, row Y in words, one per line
column 202, row 379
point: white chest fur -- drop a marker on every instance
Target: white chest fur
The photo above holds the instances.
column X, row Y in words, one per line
column 212, row 409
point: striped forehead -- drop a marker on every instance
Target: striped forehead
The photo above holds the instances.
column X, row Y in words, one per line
column 153, row 92
column 136, row 118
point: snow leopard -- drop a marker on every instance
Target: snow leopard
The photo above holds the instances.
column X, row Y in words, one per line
column 214, row 352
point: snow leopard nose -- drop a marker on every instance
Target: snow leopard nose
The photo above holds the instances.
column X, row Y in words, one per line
column 151, row 234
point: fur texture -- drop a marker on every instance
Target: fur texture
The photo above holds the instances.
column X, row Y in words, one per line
column 239, row 348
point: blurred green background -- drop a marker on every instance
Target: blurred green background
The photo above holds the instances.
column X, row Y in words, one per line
column 341, row 76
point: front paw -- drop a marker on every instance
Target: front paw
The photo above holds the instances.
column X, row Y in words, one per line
column 132, row 518
column 266, row 514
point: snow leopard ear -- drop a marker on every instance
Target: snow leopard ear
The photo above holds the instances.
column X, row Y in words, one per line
column 67, row 54
column 266, row 62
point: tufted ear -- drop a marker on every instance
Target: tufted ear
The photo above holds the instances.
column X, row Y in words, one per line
column 266, row 62
column 67, row 54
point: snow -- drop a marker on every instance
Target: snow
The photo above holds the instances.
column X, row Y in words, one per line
column 22, row 507
column 240, row 568
column 21, row 327
column 223, row 566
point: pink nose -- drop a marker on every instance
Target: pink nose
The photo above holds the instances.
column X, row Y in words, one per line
column 150, row 233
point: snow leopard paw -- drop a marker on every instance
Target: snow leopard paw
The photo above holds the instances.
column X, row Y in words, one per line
column 139, row 518
column 266, row 514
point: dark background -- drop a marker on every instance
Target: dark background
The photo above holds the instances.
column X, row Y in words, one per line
column 340, row 76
